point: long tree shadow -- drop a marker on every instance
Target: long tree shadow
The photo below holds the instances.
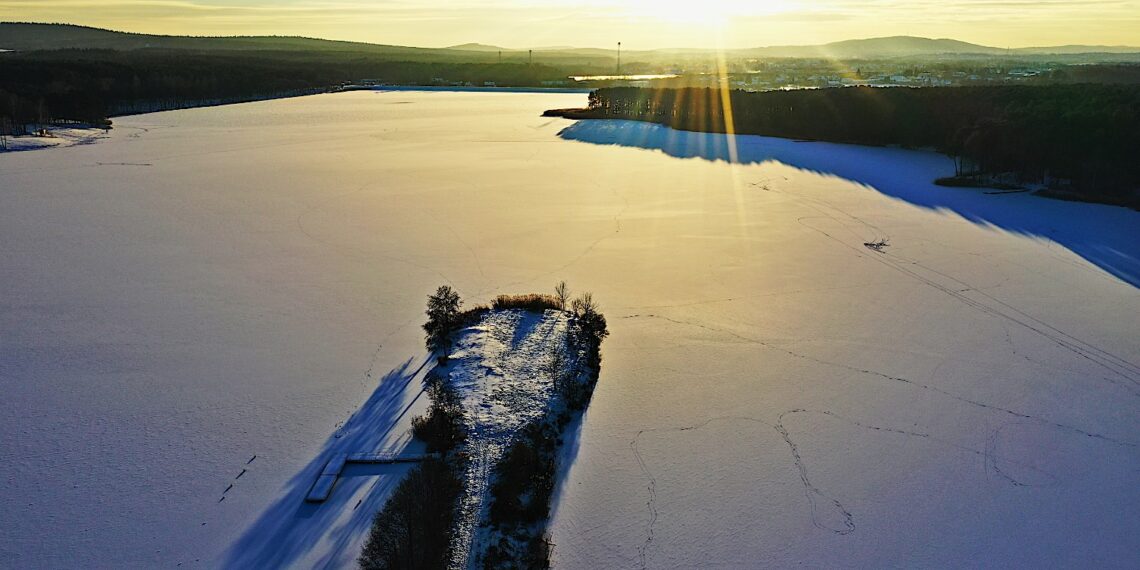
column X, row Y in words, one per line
column 1107, row 236
column 290, row 529
column 567, row 456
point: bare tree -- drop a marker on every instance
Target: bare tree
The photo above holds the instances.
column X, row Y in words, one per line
column 584, row 305
column 562, row 293
column 42, row 117
column 556, row 367
column 5, row 130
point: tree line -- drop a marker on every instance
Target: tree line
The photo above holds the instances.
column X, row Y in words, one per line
column 88, row 86
column 1081, row 138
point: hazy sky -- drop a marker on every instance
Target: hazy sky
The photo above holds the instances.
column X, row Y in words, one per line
column 638, row 24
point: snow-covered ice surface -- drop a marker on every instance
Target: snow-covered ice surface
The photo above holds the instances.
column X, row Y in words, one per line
column 500, row 368
column 208, row 285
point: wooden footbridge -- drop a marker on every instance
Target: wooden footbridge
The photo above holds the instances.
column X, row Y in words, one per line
column 323, row 486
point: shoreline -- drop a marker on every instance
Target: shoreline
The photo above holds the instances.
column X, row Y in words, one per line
column 159, row 107
column 67, row 141
column 581, row 114
column 1042, row 191
column 72, row 134
column 467, row 89
column 58, row 137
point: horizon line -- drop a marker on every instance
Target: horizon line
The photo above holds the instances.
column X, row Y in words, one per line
column 558, row 48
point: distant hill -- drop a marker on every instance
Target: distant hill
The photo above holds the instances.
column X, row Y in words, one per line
column 1077, row 49
column 901, row 46
column 32, row 37
column 24, row 37
column 478, row 47
column 889, row 47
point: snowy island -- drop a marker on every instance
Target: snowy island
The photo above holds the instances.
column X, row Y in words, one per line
column 509, row 380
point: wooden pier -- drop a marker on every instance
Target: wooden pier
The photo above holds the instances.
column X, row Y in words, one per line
column 325, row 482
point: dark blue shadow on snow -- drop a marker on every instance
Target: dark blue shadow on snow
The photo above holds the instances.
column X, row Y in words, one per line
column 1107, row 236
column 289, row 529
column 567, row 456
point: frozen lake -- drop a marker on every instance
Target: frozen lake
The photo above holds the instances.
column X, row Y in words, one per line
column 197, row 310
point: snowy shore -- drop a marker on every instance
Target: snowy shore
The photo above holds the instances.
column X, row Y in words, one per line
column 56, row 137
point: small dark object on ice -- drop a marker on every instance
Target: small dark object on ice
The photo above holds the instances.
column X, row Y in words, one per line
column 877, row 245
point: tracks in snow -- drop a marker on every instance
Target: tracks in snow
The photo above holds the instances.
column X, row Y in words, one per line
column 947, row 284
column 840, row 520
column 829, row 513
column 899, row 379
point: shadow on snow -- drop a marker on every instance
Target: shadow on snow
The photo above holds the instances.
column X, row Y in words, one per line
column 290, row 529
column 1107, row 236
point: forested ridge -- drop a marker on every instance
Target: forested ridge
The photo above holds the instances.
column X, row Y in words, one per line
column 1079, row 139
column 42, row 87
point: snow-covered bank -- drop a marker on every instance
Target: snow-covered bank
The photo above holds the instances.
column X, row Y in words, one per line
column 246, row 292
column 57, row 137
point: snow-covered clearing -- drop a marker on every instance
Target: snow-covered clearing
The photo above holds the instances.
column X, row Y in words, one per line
column 500, row 369
column 209, row 285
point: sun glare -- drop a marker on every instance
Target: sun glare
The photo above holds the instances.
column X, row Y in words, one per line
column 705, row 13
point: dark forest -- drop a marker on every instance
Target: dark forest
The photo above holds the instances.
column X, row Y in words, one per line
column 1078, row 139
